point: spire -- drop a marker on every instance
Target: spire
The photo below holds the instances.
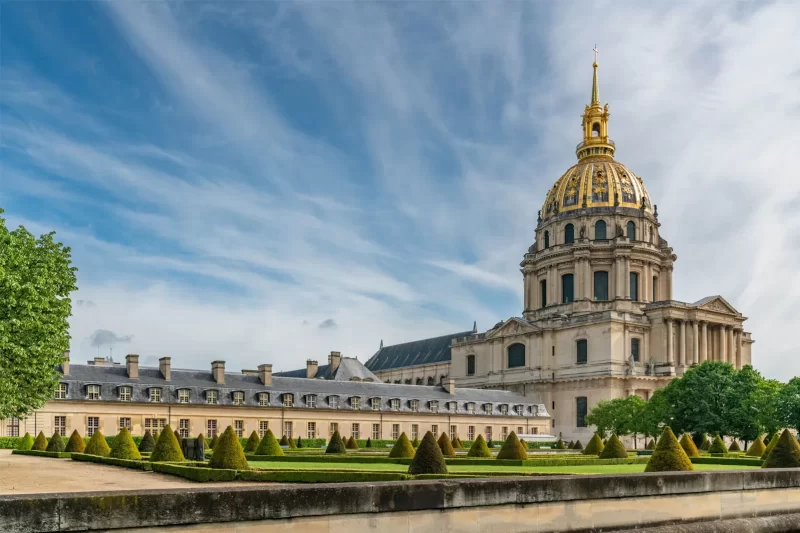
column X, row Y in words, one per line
column 595, row 124
column 475, row 326
column 595, row 87
column 381, row 348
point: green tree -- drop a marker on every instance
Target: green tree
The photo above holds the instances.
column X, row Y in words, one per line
column 745, row 399
column 656, row 413
column 36, row 279
column 789, row 404
column 701, row 399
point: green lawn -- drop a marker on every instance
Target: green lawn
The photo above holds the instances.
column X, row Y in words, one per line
column 588, row 469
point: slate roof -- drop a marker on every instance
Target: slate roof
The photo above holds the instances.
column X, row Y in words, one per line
column 415, row 353
column 349, row 368
column 110, row 378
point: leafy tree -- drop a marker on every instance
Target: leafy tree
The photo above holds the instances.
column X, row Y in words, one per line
column 656, row 413
column 36, row 279
column 745, row 401
column 620, row 416
column 789, row 404
column 701, row 399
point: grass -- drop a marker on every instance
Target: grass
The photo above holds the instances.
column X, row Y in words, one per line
column 490, row 467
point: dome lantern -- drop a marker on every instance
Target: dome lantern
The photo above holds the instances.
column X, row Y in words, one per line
column 595, row 125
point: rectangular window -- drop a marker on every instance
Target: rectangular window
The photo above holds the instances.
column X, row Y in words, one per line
column 414, row 431
column 543, row 292
column 395, row 431
column 395, row 404
column 124, row 394
column 155, row 425
column 61, row 392
column 535, row 431
column 155, row 395
column 124, row 422
column 333, row 401
column 520, row 430
column 60, row 425
column 601, row 285
column 92, row 425
column 12, row 429
column 504, row 432
column 211, row 397
column 554, row 404
column 453, row 432
column 287, row 429
column 470, row 407
column 311, row 430
column 413, row 405
column 238, row 427
column 504, row 409
column 435, row 430
column 93, row 392
column 355, row 430
column 263, row 426
column 183, row 396
column 263, row 399
column 311, row 400
column 238, row 398
column 376, row 431
column 355, row 402
column 183, row 428
column 634, row 286
column 655, row 289
column 451, row 406
column 470, row 432
column 334, row 428
column 580, row 409
column 211, row 429
column 434, row 407
column 376, row 404
column 567, row 289
column 635, row 349
column 288, row 400
column 470, row 365
column 553, row 423
column 518, row 409
column 488, row 433
column 583, row 351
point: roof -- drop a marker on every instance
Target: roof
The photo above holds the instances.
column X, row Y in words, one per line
column 349, row 368
column 415, row 353
column 110, row 378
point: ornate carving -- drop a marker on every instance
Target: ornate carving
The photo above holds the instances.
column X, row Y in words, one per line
column 583, row 226
column 620, row 231
column 716, row 305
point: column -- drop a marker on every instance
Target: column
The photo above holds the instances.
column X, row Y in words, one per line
column 731, row 347
column 703, row 342
column 645, row 292
column 626, row 275
column 669, row 284
column 588, row 285
column 737, row 339
column 527, row 283
column 646, row 346
column 617, row 275
column 695, row 344
column 682, row 346
column 550, row 289
column 670, row 358
column 723, row 352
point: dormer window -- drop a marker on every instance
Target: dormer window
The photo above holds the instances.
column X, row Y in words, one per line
column 288, row 400
column 263, row 399
column 470, row 407
column 434, row 406
column 238, row 398
column 155, row 394
column 487, row 408
column 333, row 402
column 61, row 392
column 124, row 394
column 504, row 409
column 183, row 395
column 311, row 400
column 211, row 397
column 355, row 402
column 93, row 392
column 376, row 404
column 518, row 409
column 451, row 406
column 413, row 405
column 395, row 403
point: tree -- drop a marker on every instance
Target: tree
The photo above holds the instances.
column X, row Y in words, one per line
column 789, row 404
column 701, row 399
column 36, row 279
column 446, row 446
column 618, row 416
column 148, row 443
column 56, row 443
column 97, row 445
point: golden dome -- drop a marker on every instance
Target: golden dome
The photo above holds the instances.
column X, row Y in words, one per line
column 600, row 182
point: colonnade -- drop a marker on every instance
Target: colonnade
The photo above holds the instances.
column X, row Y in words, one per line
column 709, row 342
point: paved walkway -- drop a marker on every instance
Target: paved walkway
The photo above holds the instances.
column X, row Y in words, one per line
column 25, row 474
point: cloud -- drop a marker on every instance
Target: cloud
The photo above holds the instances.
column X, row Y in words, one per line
column 104, row 337
column 328, row 323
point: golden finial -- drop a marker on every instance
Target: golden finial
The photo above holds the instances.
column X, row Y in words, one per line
column 595, row 88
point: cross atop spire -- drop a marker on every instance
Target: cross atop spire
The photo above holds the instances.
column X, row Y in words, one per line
column 596, row 51
column 595, row 87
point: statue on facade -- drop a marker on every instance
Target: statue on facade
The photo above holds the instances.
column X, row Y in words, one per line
column 583, row 231
column 620, row 231
column 631, row 365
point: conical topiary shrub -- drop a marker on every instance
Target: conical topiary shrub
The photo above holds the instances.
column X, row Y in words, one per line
column 336, row 444
column 147, row 443
column 771, row 444
column 446, row 446
column 706, row 445
column 577, row 445
column 75, row 443
column 428, row 459
column 269, row 445
column 178, row 438
column 26, row 442
column 415, row 443
column 457, row 444
column 614, row 449
column 523, row 448
column 40, row 444
column 734, row 447
column 167, row 448
column 560, row 445
column 402, row 449
column 718, row 446
column 284, row 441
column 668, row 455
column 688, row 446
column 594, row 446
column 757, row 448
column 202, row 439
column 351, row 443
column 651, row 445
column 213, row 442
column 97, row 445
column 479, row 448
column 511, row 449
column 252, row 443
column 571, row 445
column 229, row 453
column 123, row 446
column 56, row 443
column 699, row 439
column 299, row 442
column 369, row 443
column 292, row 445
column 785, row 453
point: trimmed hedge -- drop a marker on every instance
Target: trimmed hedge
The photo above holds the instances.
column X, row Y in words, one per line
column 351, row 444
column 336, row 444
column 741, row 461
column 511, row 449
column 773, row 440
column 718, row 446
column 55, row 444
column 148, row 443
column 688, row 446
column 734, row 447
column 756, row 449
column 42, row 453
column 97, row 445
column 614, row 450
column 229, row 453
column 269, row 445
column 40, row 443
column 594, row 446
column 668, row 455
column 125, row 463
column 429, row 458
column 479, row 448
column 785, row 453
column 446, row 446
column 75, row 443
column 252, row 443
column 124, row 447
column 167, row 448
column 402, row 448
column 577, row 445
column 560, row 445
column 25, row 443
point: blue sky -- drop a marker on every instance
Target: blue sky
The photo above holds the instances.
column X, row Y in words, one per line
column 267, row 182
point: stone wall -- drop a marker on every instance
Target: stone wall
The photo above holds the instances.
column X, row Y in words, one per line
column 540, row 504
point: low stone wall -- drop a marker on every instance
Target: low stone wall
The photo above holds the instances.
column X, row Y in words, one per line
column 541, row 504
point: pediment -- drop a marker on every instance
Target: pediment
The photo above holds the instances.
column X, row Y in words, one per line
column 717, row 304
column 512, row 326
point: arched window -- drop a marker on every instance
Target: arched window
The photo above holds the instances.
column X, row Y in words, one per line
column 408, row 381
column 635, row 349
column 600, row 230
column 569, row 234
column 601, row 285
column 583, row 352
column 470, row 365
column 516, row 355
column 631, row 230
column 655, row 288
column 596, row 129
column 547, row 239
column 543, row 292
column 567, row 289
column 634, row 286
column 430, row 381
column 419, row 381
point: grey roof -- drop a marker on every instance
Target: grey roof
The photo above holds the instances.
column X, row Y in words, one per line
column 349, row 368
column 110, row 378
column 421, row 352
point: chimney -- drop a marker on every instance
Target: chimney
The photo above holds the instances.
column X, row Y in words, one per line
column 65, row 364
column 132, row 363
column 164, row 365
column 97, row 361
column 265, row 374
column 311, row 368
column 451, row 386
column 335, row 359
column 218, row 371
